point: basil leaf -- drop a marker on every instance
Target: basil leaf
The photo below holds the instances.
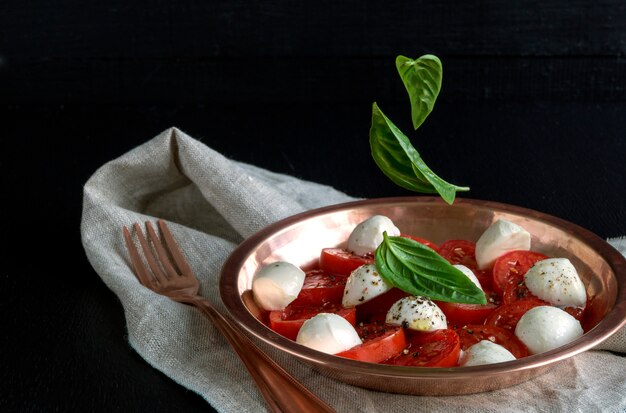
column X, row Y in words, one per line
column 418, row 270
column 399, row 160
column 422, row 80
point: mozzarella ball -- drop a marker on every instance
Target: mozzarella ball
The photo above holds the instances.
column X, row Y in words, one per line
column 362, row 285
column 469, row 273
column 501, row 237
column 545, row 328
column 417, row 313
column 485, row 352
column 368, row 235
column 556, row 281
column 276, row 285
column 329, row 333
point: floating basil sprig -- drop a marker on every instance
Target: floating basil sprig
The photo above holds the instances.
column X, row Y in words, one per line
column 422, row 80
column 417, row 269
column 392, row 150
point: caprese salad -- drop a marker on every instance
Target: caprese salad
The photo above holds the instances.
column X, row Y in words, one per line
column 398, row 299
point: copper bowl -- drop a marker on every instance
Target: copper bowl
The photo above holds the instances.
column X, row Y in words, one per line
column 300, row 238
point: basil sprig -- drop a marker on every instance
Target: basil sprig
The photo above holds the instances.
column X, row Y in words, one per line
column 418, row 270
column 422, row 80
column 399, row 160
column 392, row 150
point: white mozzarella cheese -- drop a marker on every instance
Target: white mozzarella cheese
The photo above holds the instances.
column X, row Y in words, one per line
column 417, row 313
column 362, row 285
column 501, row 237
column 469, row 273
column 545, row 328
column 556, row 281
column 485, row 352
column 368, row 235
column 276, row 285
column 329, row 333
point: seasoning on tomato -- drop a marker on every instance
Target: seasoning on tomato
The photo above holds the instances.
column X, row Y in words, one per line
column 473, row 333
column 458, row 314
column 341, row 261
column 439, row 348
column 508, row 315
column 517, row 292
column 320, row 287
column 377, row 307
column 511, row 267
column 458, row 251
column 288, row 322
column 380, row 342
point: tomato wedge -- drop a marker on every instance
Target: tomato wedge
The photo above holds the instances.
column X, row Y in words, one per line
column 458, row 251
column 320, row 287
column 341, row 261
column 576, row 312
column 287, row 322
column 458, row 314
column 507, row 315
column 511, row 267
column 439, row 348
column 378, row 306
column 380, row 342
column 473, row 333
column 423, row 241
column 518, row 292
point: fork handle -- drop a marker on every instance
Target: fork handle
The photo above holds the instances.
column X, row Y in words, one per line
column 280, row 390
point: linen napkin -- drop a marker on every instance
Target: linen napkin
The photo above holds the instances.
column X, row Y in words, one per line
column 212, row 203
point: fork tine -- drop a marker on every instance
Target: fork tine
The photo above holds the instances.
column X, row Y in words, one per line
column 140, row 270
column 174, row 249
column 147, row 252
column 158, row 246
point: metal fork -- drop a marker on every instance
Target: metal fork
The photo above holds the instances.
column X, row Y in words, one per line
column 169, row 274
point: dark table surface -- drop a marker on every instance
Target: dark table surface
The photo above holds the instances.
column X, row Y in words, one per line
column 532, row 113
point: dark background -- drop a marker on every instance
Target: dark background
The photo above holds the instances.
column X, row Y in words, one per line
column 532, row 112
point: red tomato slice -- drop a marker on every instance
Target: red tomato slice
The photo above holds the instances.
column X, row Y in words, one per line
column 486, row 281
column 518, row 292
column 458, row 314
column 576, row 312
column 462, row 252
column 341, row 261
column 423, row 241
column 511, row 267
column 288, row 321
column 380, row 343
column 320, row 288
column 507, row 315
column 378, row 306
column 439, row 348
column 458, row 251
column 473, row 333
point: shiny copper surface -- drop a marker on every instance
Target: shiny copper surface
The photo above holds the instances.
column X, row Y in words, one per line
column 300, row 238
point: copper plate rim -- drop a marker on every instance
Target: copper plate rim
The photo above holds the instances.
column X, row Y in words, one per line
column 611, row 323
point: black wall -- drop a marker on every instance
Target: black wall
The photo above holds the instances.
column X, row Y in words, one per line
column 272, row 82
column 198, row 52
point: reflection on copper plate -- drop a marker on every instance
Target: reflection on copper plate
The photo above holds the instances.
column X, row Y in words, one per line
column 300, row 238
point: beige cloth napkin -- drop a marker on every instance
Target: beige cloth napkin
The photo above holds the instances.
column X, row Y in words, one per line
column 213, row 203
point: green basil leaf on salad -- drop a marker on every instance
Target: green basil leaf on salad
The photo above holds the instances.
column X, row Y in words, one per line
column 422, row 80
column 419, row 270
column 399, row 160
